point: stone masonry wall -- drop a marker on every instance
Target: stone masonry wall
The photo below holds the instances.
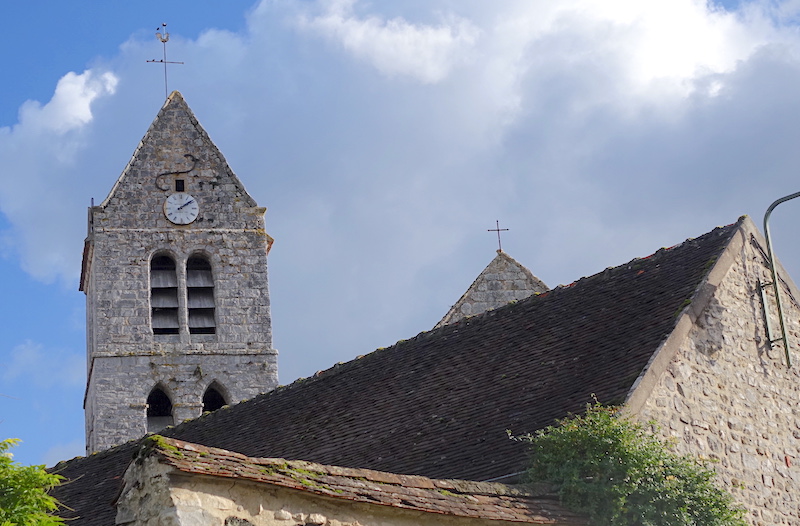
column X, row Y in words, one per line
column 726, row 395
column 122, row 384
column 125, row 359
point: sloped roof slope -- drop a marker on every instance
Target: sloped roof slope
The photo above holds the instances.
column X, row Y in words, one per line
column 439, row 404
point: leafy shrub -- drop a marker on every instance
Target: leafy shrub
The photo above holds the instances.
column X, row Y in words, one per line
column 618, row 473
column 23, row 492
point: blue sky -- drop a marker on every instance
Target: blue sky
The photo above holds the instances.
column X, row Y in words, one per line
column 385, row 138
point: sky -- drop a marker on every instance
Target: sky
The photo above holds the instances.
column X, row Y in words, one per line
column 385, row 138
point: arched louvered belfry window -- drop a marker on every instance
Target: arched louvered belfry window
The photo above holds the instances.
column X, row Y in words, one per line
column 213, row 398
column 159, row 410
column 163, row 295
column 200, row 295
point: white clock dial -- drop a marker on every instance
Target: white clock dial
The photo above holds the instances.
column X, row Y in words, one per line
column 181, row 208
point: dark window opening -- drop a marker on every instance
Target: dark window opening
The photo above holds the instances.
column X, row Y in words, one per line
column 163, row 295
column 159, row 411
column 212, row 400
column 200, row 296
column 179, row 186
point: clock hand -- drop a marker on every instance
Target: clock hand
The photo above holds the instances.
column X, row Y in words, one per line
column 190, row 201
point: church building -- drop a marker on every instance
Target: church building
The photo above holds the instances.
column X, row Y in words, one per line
column 179, row 333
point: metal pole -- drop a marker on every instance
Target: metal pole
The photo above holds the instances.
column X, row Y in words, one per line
column 164, row 39
column 166, row 91
column 771, row 255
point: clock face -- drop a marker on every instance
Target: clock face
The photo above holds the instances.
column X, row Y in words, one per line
column 181, row 208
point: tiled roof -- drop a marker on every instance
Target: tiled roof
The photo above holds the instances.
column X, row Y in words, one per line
column 440, row 403
column 92, row 483
column 527, row 504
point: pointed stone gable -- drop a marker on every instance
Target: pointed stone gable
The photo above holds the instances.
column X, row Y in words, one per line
column 177, row 147
column 504, row 280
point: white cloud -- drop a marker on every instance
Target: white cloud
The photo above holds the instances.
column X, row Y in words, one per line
column 70, row 107
column 395, row 46
column 46, row 368
column 674, row 39
column 39, row 170
column 629, row 54
column 597, row 131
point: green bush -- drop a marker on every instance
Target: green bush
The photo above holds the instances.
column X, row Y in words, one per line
column 618, row 473
column 23, row 492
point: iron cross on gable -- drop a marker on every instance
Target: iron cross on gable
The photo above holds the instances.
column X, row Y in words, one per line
column 498, row 230
column 164, row 38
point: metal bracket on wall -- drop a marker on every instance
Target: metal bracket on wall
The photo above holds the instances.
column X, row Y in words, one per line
column 765, row 311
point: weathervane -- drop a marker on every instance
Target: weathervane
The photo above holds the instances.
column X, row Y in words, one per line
column 498, row 230
column 164, row 38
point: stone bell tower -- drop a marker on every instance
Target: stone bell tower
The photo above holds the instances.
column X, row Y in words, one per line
column 175, row 276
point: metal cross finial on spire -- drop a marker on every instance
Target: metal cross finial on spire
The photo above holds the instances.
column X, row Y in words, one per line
column 164, row 38
column 498, row 230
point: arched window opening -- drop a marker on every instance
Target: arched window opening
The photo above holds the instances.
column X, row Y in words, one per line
column 213, row 399
column 159, row 411
column 200, row 295
column 163, row 295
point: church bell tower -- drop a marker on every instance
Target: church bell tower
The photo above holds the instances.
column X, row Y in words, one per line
column 175, row 276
